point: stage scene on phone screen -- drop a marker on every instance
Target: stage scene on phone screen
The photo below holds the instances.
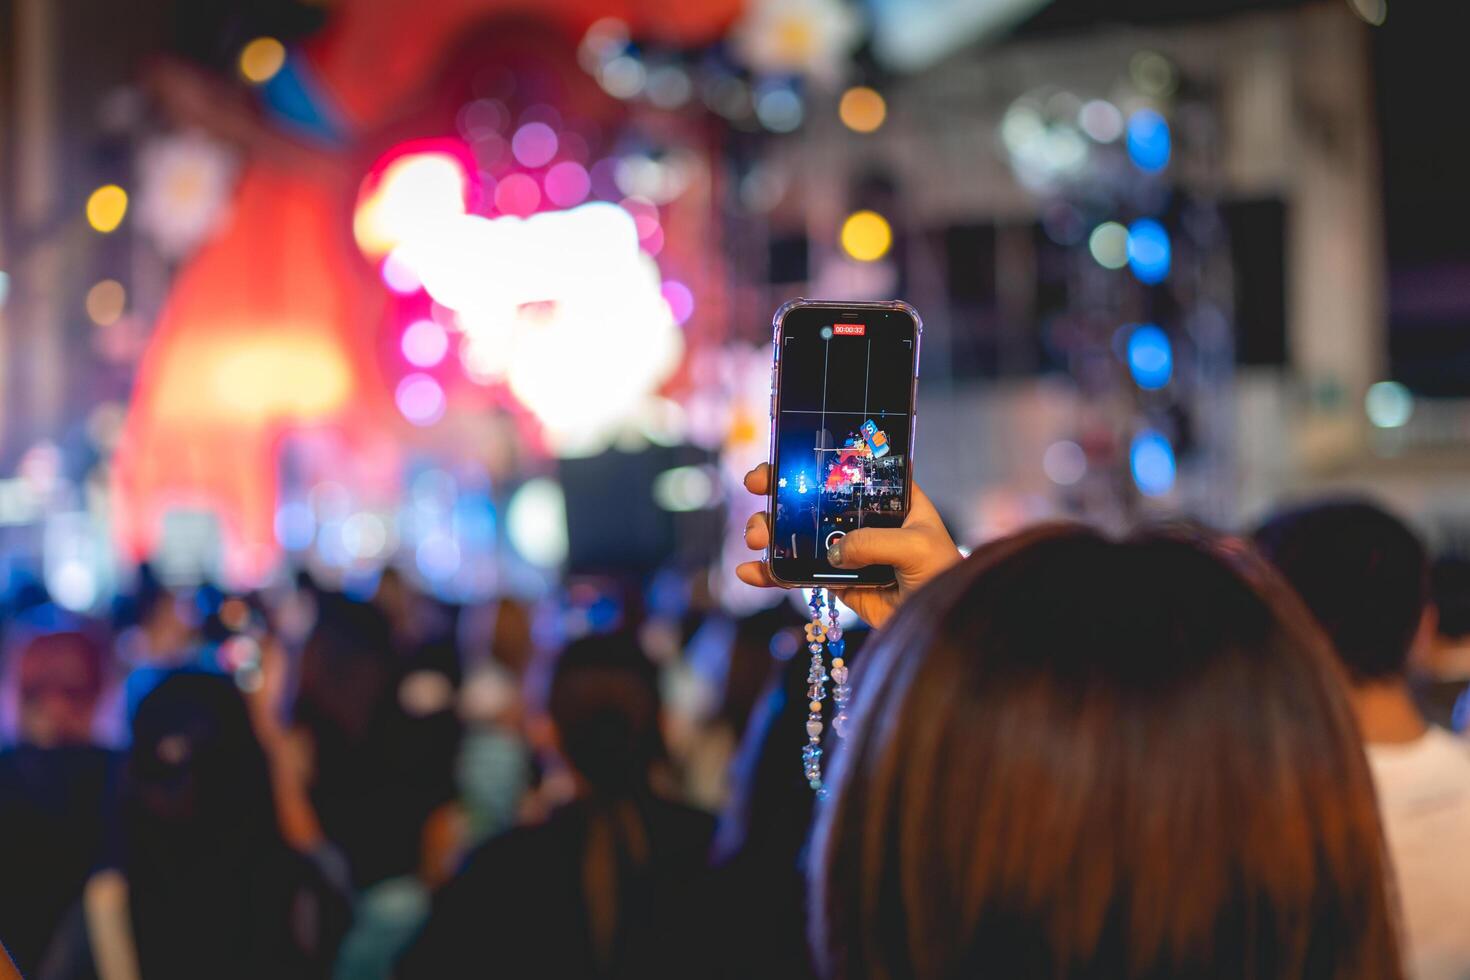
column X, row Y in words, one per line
column 844, row 412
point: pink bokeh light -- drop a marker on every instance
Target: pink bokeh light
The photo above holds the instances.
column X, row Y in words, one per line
column 534, row 144
column 519, row 195
column 420, row 399
column 654, row 243
column 424, row 343
column 399, row 276
column 680, row 300
column 567, row 184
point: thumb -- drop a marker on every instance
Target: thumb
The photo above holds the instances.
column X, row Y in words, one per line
column 875, row 546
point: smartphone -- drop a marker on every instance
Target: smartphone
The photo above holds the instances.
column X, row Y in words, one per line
column 842, row 428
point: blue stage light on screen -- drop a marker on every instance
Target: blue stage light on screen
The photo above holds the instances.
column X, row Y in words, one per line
column 1149, row 144
column 1149, row 252
column 1150, row 357
column 1152, row 461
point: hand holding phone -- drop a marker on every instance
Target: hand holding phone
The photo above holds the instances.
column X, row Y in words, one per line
column 917, row 551
column 842, row 511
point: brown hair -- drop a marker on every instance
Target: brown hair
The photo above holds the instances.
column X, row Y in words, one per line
column 1076, row 757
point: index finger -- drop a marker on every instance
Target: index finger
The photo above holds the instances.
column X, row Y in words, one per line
column 758, row 480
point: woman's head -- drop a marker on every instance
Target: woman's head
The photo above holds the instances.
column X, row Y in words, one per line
column 59, row 682
column 1081, row 757
column 604, row 704
column 196, row 771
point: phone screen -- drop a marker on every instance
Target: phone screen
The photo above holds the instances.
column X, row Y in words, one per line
column 843, row 418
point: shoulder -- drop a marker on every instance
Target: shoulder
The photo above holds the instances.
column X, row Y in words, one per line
column 531, row 844
column 683, row 813
column 1454, row 749
column 682, row 827
column 1431, row 772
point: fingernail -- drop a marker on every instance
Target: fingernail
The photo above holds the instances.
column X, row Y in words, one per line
column 834, row 553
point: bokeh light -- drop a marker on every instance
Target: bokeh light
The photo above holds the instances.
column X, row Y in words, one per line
column 1149, row 252
column 1153, row 74
column 262, row 59
column 534, row 144
column 866, row 236
column 437, row 556
column 862, row 109
column 536, row 522
column 624, row 77
column 106, row 302
column 420, row 399
column 1150, row 357
column 518, row 195
column 727, row 95
column 528, row 292
column 364, row 535
column 1151, row 458
column 779, row 108
column 408, row 196
column 106, row 208
column 1149, row 143
column 685, row 488
column 483, row 117
column 424, row 343
column 1389, row 405
column 645, row 215
column 1108, row 244
column 605, row 39
column 1100, row 120
column 72, row 583
column 680, row 300
column 295, row 525
column 399, row 276
column 669, row 87
column 1374, row 12
column 567, row 184
column 1064, row 462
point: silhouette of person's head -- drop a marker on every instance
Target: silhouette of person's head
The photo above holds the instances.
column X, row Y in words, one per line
column 604, row 704
column 58, row 684
column 1363, row 574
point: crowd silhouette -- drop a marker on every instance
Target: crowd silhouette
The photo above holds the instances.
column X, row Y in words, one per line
column 1175, row 753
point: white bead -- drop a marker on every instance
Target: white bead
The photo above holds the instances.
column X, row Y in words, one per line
column 814, row 728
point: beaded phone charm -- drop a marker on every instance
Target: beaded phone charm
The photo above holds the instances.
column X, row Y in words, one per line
column 816, row 679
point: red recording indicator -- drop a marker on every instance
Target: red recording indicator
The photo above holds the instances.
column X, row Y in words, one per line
column 850, row 329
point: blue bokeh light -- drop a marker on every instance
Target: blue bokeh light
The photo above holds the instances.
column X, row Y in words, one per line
column 295, row 526
column 1149, row 143
column 1151, row 458
column 1149, row 252
column 1150, row 356
column 475, row 519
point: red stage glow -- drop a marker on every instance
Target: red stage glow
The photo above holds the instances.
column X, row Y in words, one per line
column 266, row 332
column 259, row 336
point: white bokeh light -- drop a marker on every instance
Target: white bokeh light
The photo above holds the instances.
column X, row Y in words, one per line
column 536, row 522
column 563, row 307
